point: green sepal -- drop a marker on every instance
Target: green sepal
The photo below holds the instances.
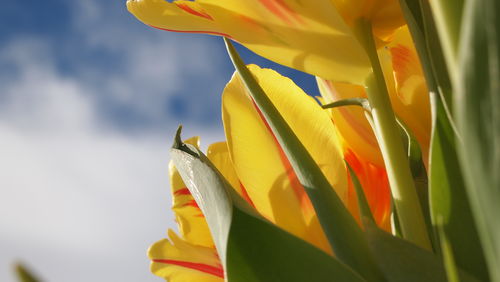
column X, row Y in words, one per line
column 250, row 247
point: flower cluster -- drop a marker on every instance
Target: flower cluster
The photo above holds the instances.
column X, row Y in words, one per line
column 332, row 173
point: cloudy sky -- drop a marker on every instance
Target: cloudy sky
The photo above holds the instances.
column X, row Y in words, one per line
column 89, row 102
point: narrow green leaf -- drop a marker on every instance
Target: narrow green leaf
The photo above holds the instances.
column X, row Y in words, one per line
column 364, row 208
column 342, row 231
column 23, row 274
column 477, row 105
column 401, row 260
column 448, row 197
column 447, row 254
column 448, row 19
column 250, row 247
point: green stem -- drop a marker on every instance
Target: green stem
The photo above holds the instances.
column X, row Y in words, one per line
column 392, row 148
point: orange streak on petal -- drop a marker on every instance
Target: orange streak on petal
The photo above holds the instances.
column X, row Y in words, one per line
column 192, row 11
column 401, row 60
column 281, row 10
column 375, row 185
column 216, row 271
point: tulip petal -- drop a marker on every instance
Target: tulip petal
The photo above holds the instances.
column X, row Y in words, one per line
column 259, row 161
column 351, row 122
column 410, row 96
column 311, row 38
column 177, row 260
column 218, row 154
column 373, row 180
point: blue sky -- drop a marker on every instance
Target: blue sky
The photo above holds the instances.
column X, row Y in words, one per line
column 89, row 101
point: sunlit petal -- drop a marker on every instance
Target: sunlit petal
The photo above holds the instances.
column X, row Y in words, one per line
column 259, row 162
column 310, row 37
column 178, row 260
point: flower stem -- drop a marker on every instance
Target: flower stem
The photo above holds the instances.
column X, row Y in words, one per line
column 392, row 148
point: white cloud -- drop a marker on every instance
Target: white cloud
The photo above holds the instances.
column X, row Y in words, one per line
column 81, row 199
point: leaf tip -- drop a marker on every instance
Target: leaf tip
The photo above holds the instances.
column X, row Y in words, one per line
column 177, row 139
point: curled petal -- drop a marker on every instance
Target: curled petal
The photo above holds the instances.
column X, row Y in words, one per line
column 178, row 260
column 313, row 38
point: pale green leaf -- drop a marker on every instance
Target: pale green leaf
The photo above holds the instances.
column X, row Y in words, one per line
column 477, row 105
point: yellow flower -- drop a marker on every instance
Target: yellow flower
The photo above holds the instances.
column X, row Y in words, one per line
column 408, row 93
column 311, row 36
column 256, row 167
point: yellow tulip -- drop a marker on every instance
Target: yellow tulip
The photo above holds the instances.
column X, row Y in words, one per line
column 256, row 167
column 408, row 93
column 313, row 37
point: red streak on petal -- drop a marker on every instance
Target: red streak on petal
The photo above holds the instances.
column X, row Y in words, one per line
column 281, row 10
column 213, row 270
column 195, row 31
column 244, row 194
column 182, row 191
column 185, row 7
column 191, row 203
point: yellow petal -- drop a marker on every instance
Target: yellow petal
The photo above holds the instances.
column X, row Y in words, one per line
column 258, row 160
column 192, row 224
column 384, row 15
column 219, row 155
column 178, row 260
column 407, row 91
column 350, row 121
column 313, row 38
column 410, row 96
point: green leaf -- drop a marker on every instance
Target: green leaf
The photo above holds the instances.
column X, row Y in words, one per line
column 448, row 197
column 477, row 105
column 448, row 19
column 23, row 274
column 250, row 247
column 342, row 231
column 447, row 254
column 401, row 260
